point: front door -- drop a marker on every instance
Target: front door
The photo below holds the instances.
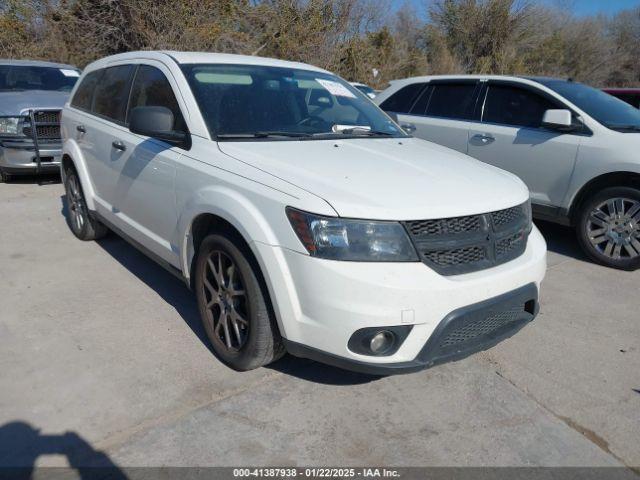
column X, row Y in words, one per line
column 510, row 136
column 145, row 190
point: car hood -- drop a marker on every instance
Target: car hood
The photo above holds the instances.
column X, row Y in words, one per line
column 385, row 179
column 13, row 103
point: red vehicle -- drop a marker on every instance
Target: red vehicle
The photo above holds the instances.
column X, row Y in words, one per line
column 629, row 95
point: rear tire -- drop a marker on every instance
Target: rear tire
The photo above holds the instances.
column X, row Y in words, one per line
column 80, row 221
column 234, row 304
column 608, row 227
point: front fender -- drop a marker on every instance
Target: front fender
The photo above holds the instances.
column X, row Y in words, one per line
column 266, row 224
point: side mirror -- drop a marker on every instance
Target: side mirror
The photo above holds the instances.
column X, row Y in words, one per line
column 157, row 122
column 558, row 119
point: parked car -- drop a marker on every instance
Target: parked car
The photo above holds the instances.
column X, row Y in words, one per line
column 32, row 93
column 302, row 216
column 366, row 89
column 574, row 146
column 629, row 95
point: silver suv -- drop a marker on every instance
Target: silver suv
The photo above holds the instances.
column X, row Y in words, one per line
column 32, row 93
column 574, row 146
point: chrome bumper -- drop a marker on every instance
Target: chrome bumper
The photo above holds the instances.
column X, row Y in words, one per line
column 19, row 156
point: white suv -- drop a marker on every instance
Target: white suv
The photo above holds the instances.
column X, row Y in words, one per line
column 302, row 216
column 574, row 146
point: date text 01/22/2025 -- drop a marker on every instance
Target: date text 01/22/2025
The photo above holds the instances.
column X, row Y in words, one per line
column 316, row 472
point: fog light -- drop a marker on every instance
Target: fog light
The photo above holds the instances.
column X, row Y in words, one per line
column 381, row 342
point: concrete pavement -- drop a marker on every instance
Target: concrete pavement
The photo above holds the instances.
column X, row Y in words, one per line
column 99, row 342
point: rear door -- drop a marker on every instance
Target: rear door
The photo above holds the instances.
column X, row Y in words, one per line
column 103, row 129
column 510, row 136
column 443, row 112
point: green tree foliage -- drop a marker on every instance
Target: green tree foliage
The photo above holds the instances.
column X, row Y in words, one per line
column 358, row 39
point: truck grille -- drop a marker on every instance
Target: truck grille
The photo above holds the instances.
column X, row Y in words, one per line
column 453, row 246
column 47, row 125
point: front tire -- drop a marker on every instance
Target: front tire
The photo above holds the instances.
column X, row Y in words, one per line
column 80, row 221
column 234, row 305
column 608, row 227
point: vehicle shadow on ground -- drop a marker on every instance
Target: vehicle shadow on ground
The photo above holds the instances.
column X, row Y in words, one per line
column 176, row 293
column 561, row 240
column 44, row 179
column 21, row 445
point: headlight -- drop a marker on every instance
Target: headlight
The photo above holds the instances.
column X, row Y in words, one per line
column 336, row 238
column 11, row 126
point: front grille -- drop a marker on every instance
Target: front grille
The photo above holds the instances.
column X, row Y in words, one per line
column 456, row 256
column 44, row 131
column 444, row 226
column 505, row 217
column 47, row 125
column 457, row 245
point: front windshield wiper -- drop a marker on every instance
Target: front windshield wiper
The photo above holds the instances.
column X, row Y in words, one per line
column 226, row 136
column 630, row 128
column 363, row 131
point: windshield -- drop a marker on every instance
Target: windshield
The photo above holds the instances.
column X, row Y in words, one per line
column 366, row 89
column 606, row 109
column 254, row 101
column 18, row 78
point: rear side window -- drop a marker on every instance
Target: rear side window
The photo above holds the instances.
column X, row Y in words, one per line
column 112, row 93
column 452, row 100
column 84, row 94
column 152, row 89
column 508, row 105
column 403, row 99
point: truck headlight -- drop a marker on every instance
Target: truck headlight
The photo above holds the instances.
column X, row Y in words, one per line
column 337, row 238
column 11, row 126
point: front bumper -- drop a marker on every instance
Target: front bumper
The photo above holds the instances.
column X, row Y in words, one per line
column 461, row 333
column 19, row 156
column 321, row 303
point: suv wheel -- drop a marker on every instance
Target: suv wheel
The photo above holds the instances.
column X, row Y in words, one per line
column 609, row 227
column 234, row 306
column 80, row 221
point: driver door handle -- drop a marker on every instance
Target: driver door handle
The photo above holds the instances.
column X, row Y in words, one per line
column 118, row 145
column 81, row 129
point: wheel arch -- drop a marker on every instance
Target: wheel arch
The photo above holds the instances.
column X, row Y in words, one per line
column 599, row 183
column 72, row 157
column 205, row 223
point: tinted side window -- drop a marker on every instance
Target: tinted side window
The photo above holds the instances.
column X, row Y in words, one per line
column 420, row 105
column 515, row 106
column 452, row 100
column 112, row 93
column 152, row 89
column 630, row 98
column 84, row 95
column 402, row 100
